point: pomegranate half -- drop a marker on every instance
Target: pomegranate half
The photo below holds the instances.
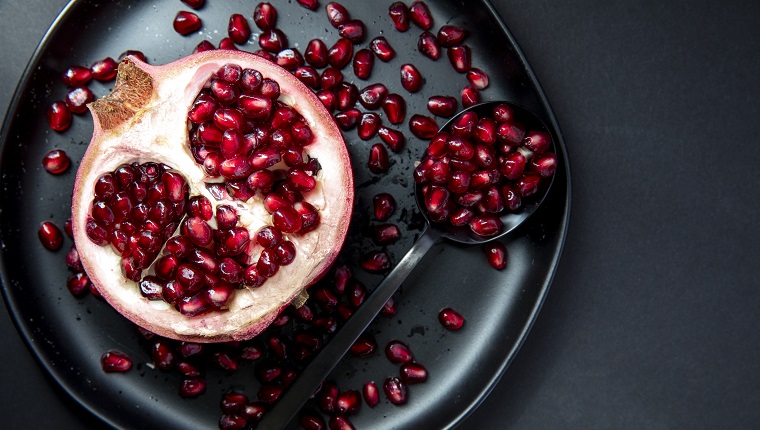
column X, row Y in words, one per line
column 143, row 127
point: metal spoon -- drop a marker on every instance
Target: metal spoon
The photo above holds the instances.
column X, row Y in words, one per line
column 324, row 362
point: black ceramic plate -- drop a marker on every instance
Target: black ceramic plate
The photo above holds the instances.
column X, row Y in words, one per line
column 69, row 335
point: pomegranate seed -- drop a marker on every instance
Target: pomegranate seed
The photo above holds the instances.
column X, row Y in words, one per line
column 395, row 391
column 327, row 98
column 225, row 361
column 423, row 127
column 347, row 95
column 104, row 70
column 411, row 79
column 496, row 254
column 50, row 235
column 229, row 44
column 512, row 165
column 486, row 225
column 340, row 53
column 353, row 30
column 510, row 133
column 393, row 138
column 231, row 422
column 238, row 29
column 59, row 116
column 413, row 373
column 312, row 422
column 72, row 260
column 398, row 352
column 537, row 141
column 289, row 59
column 450, row 35
column 460, row 58
column 232, row 402
column 386, row 234
column 428, row 45
column 399, row 14
column 378, row 159
column 420, row 15
column 382, row 49
column 394, row 107
column 384, row 206
column 78, row 284
column 364, row 346
column 195, row 4
column 376, row 262
column 273, row 40
column 76, row 76
column 192, row 387
column 528, row 185
column 309, row 4
column 461, row 216
column 316, row 53
column 134, row 53
column 372, row 96
column 163, row 355
column 439, row 172
column 368, row 125
column 348, row 119
column 203, row 46
column 371, row 396
column 253, row 411
column 327, row 397
column 56, row 161
column 77, row 99
column 186, row 23
column 330, row 78
column 450, row 319
column 151, row 287
column 336, row 14
column 349, row 402
column 340, row 422
column 477, row 78
column 485, row 130
column 545, row 164
column 363, row 62
column 265, row 16
column 442, row 105
column 115, row 361
column 470, row 96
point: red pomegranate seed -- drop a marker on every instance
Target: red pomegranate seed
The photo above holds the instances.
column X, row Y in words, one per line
column 423, row 127
column 413, row 373
column 411, row 79
column 253, row 411
column 78, row 284
column 368, row 125
column 134, row 53
column 311, row 421
column 231, row 422
column 163, row 356
column 339, row 55
column 545, row 164
column 528, row 185
column 59, row 116
column 477, row 78
column 309, row 4
column 371, row 395
column 273, row 40
column 229, row 44
column 398, row 352
column 376, row 262
column 56, row 161
column 347, row 94
column 485, row 130
column 386, row 234
column 364, row 346
column 289, row 59
column 349, row 402
column 450, row 319
column 460, row 58
column 486, row 225
column 348, row 119
column 382, row 49
column 442, row 105
column 378, row 159
column 512, row 165
column 384, row 206
column 470, row 96
column 195, row 4
column 340, row 422
column 537, row 141
column 353, row 30
column 510, row 133
column 238, row 29
column 104, row 70
column 465, row 124
column 496, row 255
column 450, row 35
column 50, row 235
column 330, row 78
column 364, row 59
column 420, row 15
column 336, row 14
column 72, row 260
column 394, row 107
column 327, row 98
column 439, row 172
column 316, row 53
column 115, row 361
column 395, row 391
column 76, row 76
column 287, row 220
column 77, row 99
column 399, row 14
column 372, row 96
column 428, row 45
column 232, row 402
column 265, row 16
column 186, row 22
column 327, row 397
column 192, row 387
column 393, row 138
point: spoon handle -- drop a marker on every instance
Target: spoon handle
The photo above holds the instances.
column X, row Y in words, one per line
column 320, row 367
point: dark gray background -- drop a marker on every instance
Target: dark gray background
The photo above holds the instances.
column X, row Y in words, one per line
column 652, row 318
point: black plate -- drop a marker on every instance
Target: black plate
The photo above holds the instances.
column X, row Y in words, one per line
column 68, row 335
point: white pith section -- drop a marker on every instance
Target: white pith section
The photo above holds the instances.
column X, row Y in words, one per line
column 159, row 134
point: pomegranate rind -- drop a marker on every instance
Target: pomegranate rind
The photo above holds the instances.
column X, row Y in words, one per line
column 155, row 130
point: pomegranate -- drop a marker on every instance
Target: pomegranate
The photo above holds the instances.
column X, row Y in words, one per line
column 206, row 235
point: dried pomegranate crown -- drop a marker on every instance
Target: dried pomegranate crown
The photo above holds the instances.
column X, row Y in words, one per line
column 214, row 191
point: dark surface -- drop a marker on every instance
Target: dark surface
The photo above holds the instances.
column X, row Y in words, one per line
column 651, row 319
